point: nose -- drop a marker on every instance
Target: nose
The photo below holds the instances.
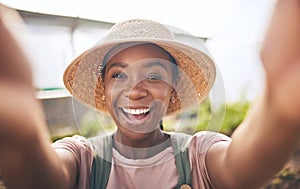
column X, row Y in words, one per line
column 136, row 91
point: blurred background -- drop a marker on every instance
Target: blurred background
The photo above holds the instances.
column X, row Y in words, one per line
column 233, row 31
column 59, row 30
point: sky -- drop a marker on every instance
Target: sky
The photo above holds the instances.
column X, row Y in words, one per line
column 234, row 28
column 199, row 17
column 236, row 48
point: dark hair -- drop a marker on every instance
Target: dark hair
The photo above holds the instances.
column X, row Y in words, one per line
column 161, row 125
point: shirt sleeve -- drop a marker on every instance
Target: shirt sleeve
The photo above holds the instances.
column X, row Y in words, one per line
column 83, row 154
column 199, row 145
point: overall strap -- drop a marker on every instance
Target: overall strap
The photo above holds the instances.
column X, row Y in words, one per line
column 180, row 142
column 101, row 166
column 102, row 146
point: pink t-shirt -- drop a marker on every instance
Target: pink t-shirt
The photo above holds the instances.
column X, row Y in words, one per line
column 158, row 171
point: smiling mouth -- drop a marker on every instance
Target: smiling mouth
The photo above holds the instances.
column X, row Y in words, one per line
column 136, row 114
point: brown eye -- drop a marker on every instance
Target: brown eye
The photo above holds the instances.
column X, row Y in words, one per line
column 155, row 77
column 119, row 75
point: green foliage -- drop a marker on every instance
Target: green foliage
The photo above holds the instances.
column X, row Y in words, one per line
column 58, row 137
column 225, row 119
column 285, row 179
column 234, row 115
column 194, row 120
column 204, row 114
column 93, row 123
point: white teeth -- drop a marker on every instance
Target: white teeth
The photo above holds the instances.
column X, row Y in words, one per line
column 136, row 111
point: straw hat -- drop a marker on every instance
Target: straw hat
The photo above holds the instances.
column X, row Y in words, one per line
column 196, row 76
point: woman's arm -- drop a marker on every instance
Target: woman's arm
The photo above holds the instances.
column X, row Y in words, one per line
column 27, row 159
column 264, row 141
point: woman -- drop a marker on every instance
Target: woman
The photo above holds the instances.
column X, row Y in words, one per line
column 139, row 74
column 139, row 77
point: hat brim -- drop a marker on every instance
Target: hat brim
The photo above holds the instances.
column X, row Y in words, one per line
column 196, row 74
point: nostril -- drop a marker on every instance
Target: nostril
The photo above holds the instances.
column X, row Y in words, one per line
column 136, row 92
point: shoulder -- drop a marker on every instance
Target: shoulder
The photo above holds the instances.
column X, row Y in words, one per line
column 77, row 156
column 101, row 145
column 200, row 141
column 199, row 146
column 76, row 145
column 211, row 136
column 203, row 140
column 75, row 141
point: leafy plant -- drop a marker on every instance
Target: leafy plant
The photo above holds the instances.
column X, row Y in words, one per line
column 225, row 120
column 234, row 115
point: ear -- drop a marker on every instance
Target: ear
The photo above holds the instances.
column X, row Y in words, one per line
column 174, row 86
column 172, row 96
column 173, row 92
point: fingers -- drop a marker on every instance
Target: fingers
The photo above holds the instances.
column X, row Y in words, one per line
column 14, row 65
column 20, row 112
column 281, row 59
column 282, row 42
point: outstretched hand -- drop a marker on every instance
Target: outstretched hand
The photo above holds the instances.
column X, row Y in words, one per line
column 14, row 65
column 18, row 107
column 281, row 59
column 27, row 159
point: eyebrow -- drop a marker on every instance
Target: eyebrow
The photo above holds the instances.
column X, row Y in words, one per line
column 147, row 65
column 151, row 64
column 117, row 64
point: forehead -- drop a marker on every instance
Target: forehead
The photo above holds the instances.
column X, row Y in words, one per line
column 137, row 52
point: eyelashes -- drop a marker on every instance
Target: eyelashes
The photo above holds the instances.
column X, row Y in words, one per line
column 119, row 75
column 150, row 77
column 155, row 77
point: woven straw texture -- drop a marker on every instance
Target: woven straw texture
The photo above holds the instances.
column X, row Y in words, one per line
column 196, row 69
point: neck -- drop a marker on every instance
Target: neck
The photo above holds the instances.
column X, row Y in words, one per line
column 141, row 146
column 140, row 140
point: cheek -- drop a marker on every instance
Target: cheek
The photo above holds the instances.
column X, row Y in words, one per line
column 111, row 94
column 162, row 92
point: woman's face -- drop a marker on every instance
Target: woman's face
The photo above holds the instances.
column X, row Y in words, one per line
column 138, row 87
